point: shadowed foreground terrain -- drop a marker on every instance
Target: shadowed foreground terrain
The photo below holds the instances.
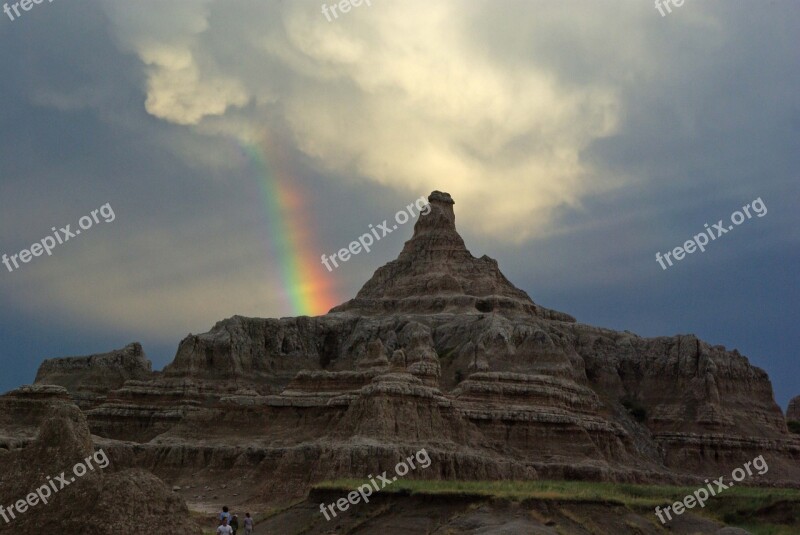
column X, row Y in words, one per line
column 546, row 507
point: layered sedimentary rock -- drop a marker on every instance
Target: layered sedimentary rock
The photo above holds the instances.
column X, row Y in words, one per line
column 438, row 350
column 98, row 499
column 701, row 404
column 142, row 410
column 793, row 411
column 549, row 418
column 22, row 410
column 266, row 351
column 89, row 378
column 436, row 273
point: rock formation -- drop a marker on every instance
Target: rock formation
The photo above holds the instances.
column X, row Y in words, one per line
column 103, row 500
column 436, row 273
column 793, row 411
column 437, row 350
column 90, row 378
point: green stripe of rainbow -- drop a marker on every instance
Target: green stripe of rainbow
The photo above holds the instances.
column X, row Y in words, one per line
column 307, row 285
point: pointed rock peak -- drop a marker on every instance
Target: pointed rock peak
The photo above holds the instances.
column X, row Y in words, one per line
column 435, row 231
column 441, row 216
column 435, row 273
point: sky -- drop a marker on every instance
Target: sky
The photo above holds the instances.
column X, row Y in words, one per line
column 224, row 146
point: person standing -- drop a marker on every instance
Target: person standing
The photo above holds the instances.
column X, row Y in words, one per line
column 249, row 525
column 224, row 528
column 224, row 515
column 234, row 523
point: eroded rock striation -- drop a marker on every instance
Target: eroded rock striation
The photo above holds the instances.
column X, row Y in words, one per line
column 436, row 273
column 96, row 499
column 90, row 378
column 437, row 350
column 793, row 411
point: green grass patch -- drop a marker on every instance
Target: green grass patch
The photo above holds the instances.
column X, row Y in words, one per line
column 627, row 494
column 756, row 509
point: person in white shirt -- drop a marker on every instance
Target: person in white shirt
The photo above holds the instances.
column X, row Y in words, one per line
column 224, row 528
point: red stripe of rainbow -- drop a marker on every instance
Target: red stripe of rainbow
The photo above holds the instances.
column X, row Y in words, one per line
column 307, row 285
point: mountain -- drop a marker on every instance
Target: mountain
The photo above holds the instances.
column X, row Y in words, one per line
column 438, row 350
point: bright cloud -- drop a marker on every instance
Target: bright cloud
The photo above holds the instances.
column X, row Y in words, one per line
column 401, row 94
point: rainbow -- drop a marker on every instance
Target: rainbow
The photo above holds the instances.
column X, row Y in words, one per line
column 306, row 284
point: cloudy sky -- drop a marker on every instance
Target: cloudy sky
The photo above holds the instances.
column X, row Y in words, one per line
column 236, row 141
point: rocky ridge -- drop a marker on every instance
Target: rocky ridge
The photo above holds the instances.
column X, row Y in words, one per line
column 438, row 350
column 90, row 378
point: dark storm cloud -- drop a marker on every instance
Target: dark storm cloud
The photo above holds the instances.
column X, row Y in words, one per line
column 577, row 138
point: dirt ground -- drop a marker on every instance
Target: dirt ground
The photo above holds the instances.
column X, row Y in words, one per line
column 399, row 514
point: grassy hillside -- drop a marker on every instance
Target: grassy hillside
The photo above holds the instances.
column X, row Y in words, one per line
column 762, row 511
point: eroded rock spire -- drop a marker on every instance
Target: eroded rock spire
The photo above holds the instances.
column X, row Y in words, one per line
column 435, row 272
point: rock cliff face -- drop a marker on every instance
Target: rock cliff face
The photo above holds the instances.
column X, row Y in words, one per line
column 793, row 411
column 438, row 350
column 90, row 378
column 102, row 499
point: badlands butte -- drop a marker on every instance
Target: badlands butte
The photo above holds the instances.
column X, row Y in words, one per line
column 438, row 350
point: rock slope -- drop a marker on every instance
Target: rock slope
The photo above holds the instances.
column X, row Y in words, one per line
column 435, row 273
column 102, row 501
